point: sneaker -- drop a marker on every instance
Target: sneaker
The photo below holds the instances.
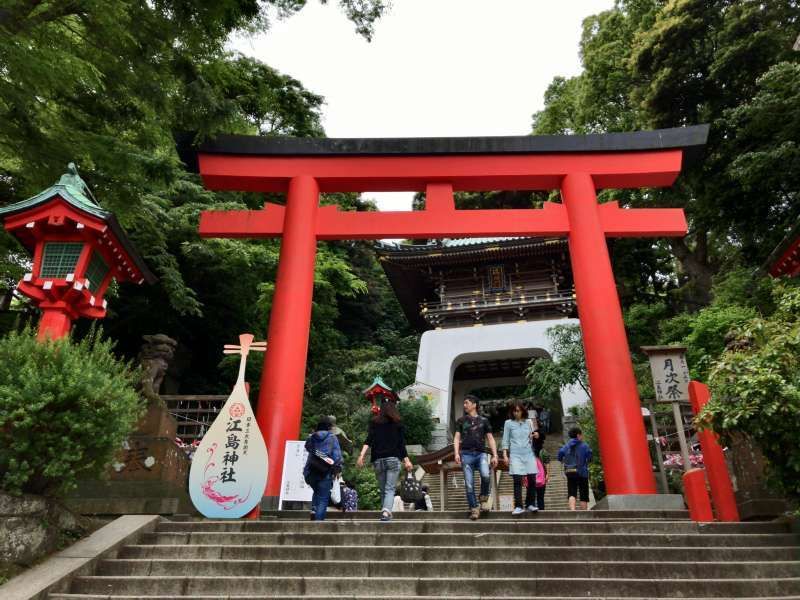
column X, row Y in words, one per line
column 386, row 516
column 474, row 514
column 517, row 511
column 533, row 508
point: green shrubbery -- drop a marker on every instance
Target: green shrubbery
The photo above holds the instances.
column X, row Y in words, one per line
column 417, row 420
column 65, row 408
column 366, row 483
column 756, row 388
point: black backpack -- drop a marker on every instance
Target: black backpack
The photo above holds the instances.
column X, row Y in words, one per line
column 571, row 461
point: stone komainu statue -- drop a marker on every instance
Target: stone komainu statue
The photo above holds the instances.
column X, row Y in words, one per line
column 154, row 357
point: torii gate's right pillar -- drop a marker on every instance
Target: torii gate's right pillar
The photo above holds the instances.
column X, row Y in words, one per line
column 617, row 409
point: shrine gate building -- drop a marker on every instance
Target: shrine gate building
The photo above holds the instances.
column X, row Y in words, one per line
column 577, row 166
column 484, row 305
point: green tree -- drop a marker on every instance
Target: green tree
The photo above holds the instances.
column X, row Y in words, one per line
column 417, row 420
column 567, row 366
column 756, row 388
column 108, row 84
column 668, row 63
column 65, row 409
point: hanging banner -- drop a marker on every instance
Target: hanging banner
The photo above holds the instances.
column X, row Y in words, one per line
column 293, row 486
column 229, row 469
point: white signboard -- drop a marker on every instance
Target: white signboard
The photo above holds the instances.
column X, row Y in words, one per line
column 422, row 391
column 229, row 468
column 293, row 486
column 670, row 374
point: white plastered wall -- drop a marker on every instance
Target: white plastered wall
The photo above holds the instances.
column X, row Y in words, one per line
column 441, row 351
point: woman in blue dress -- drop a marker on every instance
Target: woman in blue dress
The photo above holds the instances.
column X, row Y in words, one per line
column 521, row 463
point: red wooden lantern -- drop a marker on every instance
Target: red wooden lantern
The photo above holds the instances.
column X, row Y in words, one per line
column 77, row 247
column 379, row 392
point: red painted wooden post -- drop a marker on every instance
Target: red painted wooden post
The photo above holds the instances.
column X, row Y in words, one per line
column 617, row 409
column 280, row 400
column 696, row 495
column 714, row 460
column 55, row 323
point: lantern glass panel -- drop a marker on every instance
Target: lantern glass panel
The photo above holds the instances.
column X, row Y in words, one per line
column 96, row 271
column 59, row 259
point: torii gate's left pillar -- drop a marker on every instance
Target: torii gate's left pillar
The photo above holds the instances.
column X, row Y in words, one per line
column 287, row 339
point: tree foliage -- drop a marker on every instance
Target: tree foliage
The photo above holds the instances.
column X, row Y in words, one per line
column 669, row 63
column 756, row 387
column 417, row 420
column 65, row 409
column 108, row 85
column 567, row 366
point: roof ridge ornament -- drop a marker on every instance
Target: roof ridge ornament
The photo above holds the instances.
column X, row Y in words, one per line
column 72, row 179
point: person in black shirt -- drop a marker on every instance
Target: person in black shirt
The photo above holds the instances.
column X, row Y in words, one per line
column 473, row 433
column 386, row 438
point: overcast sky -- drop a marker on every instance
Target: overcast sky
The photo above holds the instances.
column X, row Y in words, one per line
column 433, row 68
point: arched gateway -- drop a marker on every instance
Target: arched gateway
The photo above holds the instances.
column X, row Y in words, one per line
column 485, row 306
column 577, row 166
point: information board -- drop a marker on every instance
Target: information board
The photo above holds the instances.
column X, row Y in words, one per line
column 293, row 486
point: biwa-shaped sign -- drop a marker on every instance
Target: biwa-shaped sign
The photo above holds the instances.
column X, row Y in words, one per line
column 229, row 469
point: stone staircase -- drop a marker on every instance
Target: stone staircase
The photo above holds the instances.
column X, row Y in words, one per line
column 554, row 554
column 555, row 497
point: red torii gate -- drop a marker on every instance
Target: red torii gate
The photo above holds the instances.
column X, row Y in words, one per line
column 576, row 165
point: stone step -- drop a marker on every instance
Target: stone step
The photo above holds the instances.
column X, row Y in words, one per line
column 482, row 569
column 552, row 555
column 531, row 525
column 455, row 553
column 556, row 515
column 479, row 539
column 309, row 597
column 337, row 587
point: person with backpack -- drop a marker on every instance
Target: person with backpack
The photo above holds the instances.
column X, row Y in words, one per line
column 323, row 463
column 517, row 433
column 576, row 455
column 386, row 438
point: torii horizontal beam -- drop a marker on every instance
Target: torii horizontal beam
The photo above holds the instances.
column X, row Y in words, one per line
column 550, row 220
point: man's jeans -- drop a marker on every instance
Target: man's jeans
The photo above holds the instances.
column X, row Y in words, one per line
column 386, row 470
column 321, row 485
column 469, row 462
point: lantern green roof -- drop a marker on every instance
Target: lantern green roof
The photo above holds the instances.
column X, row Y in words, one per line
column 378, row 382
column 73, row 189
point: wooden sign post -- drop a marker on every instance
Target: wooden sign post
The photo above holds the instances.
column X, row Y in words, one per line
column 671, row 383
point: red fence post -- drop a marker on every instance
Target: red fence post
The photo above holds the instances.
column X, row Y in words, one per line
column 714, row 460
column 696, row 494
